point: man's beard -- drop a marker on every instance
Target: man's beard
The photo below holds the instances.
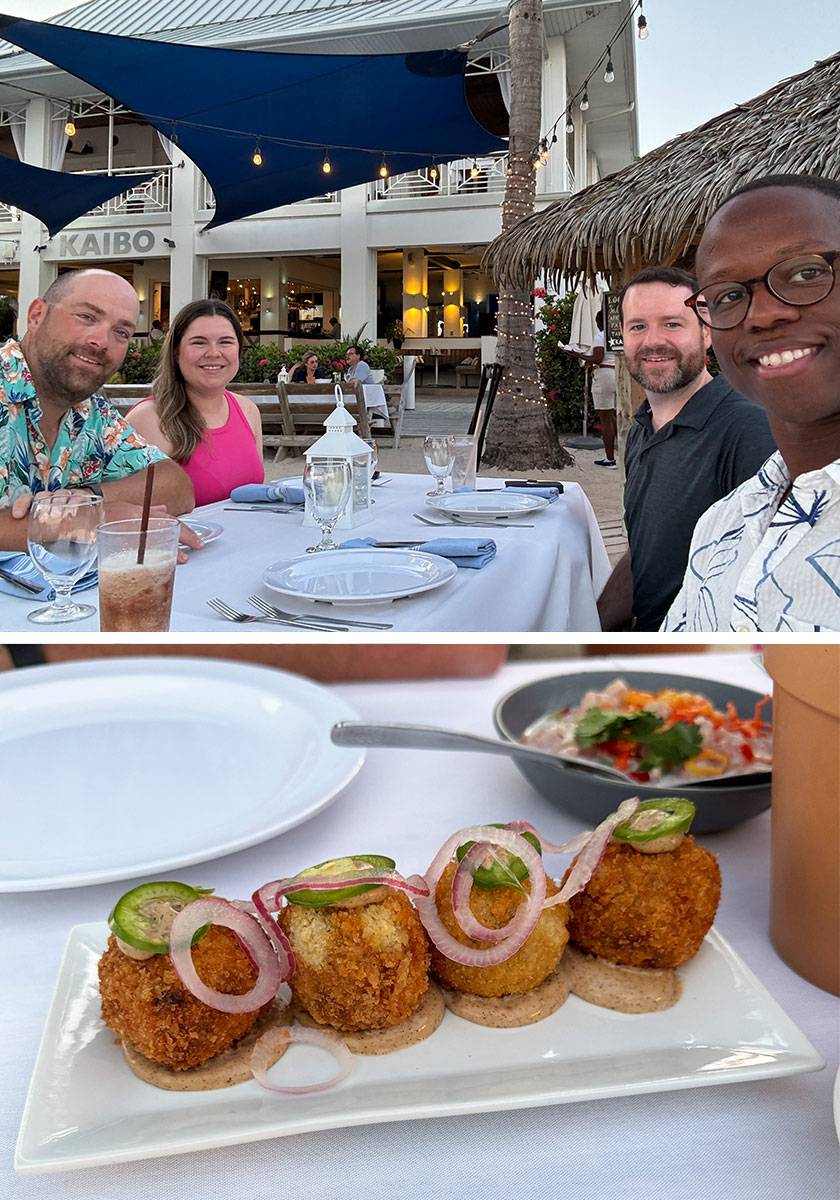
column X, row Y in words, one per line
column 683, row 372
column 55, row 372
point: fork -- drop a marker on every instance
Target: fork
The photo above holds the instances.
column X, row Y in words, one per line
column 475, row 524
column 232, row 614
column 271, row 610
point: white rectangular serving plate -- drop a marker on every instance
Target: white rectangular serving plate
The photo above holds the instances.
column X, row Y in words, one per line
column 85, row 1108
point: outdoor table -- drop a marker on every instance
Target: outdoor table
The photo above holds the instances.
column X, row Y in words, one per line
column 762, row 1140
column 544, row 578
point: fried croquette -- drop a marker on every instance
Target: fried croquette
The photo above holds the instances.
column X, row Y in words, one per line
column 494, row 907
column 359, row 967
column 647, row 910
column 147, row 1005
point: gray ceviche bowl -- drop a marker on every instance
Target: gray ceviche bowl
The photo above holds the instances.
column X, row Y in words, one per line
column 591, row 797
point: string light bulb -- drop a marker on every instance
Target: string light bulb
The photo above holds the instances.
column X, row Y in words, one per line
column 256, row 157
column 609, row 74
column 433, row 173
column 70, row 124
column 474, row 172
column 570, row 124
column 642, row 24
column 326, row 165
column 584, row 100
column 383, row 169
column 544, row 150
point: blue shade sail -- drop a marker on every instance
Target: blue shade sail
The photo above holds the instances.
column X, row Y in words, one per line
column 219, row 105
column 57, row 197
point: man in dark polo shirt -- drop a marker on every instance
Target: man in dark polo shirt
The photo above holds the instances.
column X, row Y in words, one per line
column 693, row 440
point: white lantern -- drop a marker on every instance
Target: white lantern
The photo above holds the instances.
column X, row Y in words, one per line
column 341, row 442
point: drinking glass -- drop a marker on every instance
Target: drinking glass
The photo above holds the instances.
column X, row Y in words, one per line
column 374, row 461
column 326, row 485
column 136, row 597
column 439, row 452
column 62, row 543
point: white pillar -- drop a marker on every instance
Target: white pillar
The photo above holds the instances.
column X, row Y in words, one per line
column 415, row 293
column 358, row 265
column 552, row 178
column 453, row 301
column 35, row 274
column 187, row 266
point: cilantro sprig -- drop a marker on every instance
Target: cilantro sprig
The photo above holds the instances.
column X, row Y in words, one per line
column 656, row 747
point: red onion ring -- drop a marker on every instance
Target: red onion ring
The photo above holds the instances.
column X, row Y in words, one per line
column 271, row 894
column 571, row 847
column 589, row 859
column 518, row 929
column 210, row 910
column 267, row 1045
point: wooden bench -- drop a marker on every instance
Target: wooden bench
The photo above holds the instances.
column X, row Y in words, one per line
column 296, row 419
column 463, row 375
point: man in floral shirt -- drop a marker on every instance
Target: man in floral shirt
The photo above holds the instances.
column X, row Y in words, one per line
column 56, row 432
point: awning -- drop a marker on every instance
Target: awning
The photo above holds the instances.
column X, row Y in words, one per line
column 220, row 105
column 58, row 197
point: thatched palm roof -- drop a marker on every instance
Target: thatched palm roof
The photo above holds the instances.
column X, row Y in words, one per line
column 655, row 210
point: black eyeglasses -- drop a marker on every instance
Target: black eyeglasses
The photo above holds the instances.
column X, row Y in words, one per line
column 799, row 281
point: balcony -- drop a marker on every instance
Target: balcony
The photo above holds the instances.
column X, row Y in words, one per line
column 207, row 201
column 486, row 175
column 155, row 196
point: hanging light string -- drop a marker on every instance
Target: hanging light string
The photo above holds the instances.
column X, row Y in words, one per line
column 582, row 94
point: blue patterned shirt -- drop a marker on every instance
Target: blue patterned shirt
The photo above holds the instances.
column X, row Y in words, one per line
column 760, row 564
column 94, row 444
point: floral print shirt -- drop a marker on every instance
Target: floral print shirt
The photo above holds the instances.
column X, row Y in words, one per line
column 94, row 443
column 766, row 558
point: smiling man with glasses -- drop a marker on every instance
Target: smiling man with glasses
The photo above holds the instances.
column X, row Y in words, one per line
column 767, row 557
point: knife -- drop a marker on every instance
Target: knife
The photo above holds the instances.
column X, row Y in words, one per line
column 23, row 584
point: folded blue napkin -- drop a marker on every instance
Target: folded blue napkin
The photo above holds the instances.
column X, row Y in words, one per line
column 546, row 493
column 289, row 491
column 22, row 567
column 464, row 552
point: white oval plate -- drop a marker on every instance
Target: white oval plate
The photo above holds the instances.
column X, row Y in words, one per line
column 487, row 504
column 158, row 763
column 208, row 531
column 359, row 576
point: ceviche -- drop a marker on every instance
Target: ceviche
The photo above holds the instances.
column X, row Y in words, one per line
column 673, row 736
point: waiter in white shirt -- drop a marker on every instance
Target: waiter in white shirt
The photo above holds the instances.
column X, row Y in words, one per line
column 602, row 362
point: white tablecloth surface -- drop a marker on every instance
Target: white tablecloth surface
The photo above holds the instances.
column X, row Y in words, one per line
column 771, row 1140
column 545, row 578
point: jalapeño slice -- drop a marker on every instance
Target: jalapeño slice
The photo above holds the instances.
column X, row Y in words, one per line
column 507, row 873
column 340, row 866
column 142, row 917
column 675, row 816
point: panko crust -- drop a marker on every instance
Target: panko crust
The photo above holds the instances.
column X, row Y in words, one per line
column 358, row 968
column 647, row 910
column 529, row 966
column 147, row 1005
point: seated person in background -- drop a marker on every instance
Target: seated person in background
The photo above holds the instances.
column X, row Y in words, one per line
column 693, row 439
column 215, row 435
column 602, row 362
column 357, row 368
column 308, row 370
column 56, row 431
column 333, row 329
column 156, row 333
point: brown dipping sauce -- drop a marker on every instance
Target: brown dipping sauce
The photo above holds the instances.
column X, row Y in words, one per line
column 512, row 1011
column 416, row 1028
column 623, row 989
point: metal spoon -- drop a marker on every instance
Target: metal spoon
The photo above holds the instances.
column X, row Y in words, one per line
column 428, row 737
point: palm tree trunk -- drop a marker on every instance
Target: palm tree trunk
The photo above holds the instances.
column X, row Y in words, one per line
column 521, row 434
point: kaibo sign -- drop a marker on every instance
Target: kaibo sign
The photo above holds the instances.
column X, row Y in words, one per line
column 106, row 243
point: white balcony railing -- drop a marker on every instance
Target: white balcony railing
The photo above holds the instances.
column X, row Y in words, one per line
column 155, row 196
column 207, row 201
column 465, row 177
column 9, row 215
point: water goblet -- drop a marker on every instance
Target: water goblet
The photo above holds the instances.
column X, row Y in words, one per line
column 374, row 461
column 439, row 452
column 62, row 543
column 326, row 484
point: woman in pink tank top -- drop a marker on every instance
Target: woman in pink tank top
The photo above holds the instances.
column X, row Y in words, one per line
column 214, row 435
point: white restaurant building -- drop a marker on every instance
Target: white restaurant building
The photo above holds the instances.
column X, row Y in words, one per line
column 359, row 254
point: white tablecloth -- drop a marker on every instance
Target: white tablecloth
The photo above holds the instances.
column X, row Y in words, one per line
column 771, row 1140
column 545, row 578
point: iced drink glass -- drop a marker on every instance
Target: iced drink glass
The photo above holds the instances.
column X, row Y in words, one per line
column 136, row 597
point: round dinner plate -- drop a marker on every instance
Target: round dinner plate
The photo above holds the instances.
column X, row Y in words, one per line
column 359, row 576
column 138, row 766
column 208, row 531
column 487, row 504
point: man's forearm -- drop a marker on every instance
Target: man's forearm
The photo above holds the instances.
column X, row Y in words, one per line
column 615, row 604
column 173, row 488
